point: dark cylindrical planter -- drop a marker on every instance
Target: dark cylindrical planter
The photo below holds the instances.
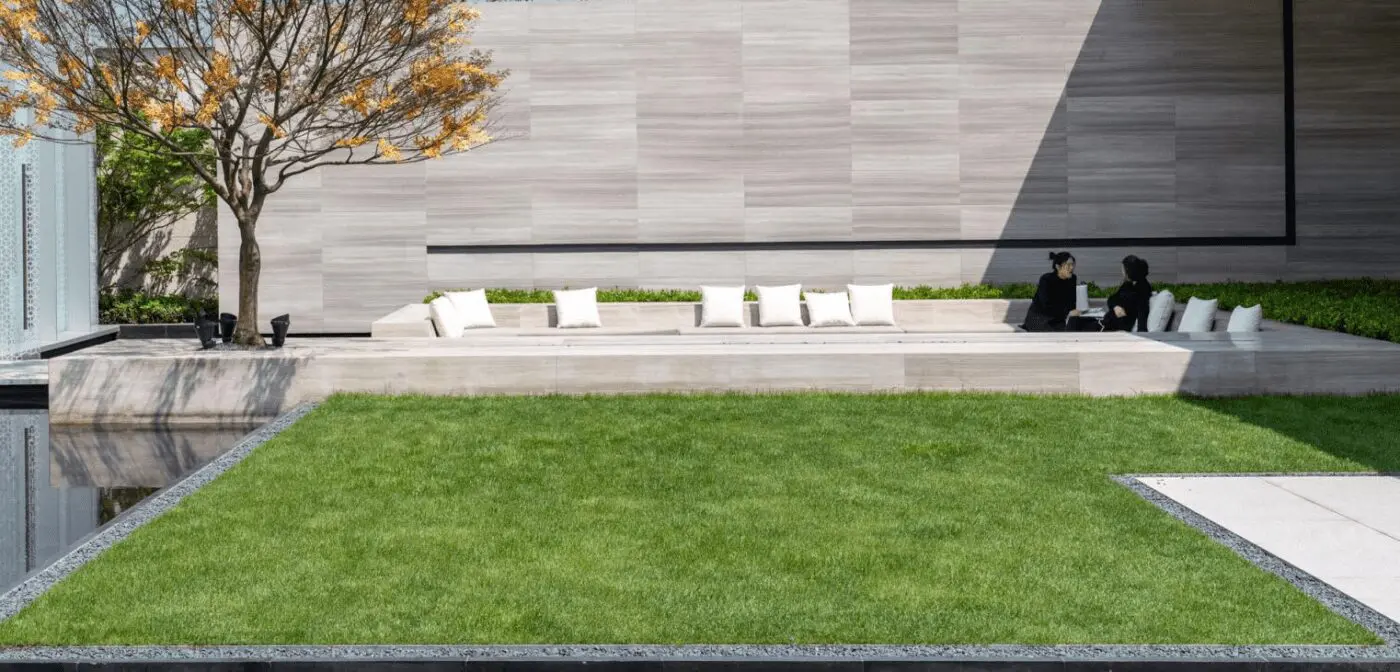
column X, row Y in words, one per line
column 207, row 330
column 227, row 322
column 280, row 325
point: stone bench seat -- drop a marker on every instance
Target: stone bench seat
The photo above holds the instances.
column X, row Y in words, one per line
column 931, row 316
column 532, row 319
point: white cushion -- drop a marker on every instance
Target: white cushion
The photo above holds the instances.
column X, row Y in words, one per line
column 446, row 320
column 780, row 306
column 722, row 306
column 829, row 310
column 577, row 308
column 472, row 308
column 1199, row 315
column 871, row 305
column 1244, row 320
column 1160, row 309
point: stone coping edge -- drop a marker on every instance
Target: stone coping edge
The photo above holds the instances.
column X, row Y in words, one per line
column 1334, row 599
column 17, row 598
column 1254, row 656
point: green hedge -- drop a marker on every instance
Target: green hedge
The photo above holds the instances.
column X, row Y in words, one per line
column 131, row 307
column 1015, row 291
column 1364, row 307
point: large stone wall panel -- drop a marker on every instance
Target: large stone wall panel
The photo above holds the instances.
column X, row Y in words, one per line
column 726, row 121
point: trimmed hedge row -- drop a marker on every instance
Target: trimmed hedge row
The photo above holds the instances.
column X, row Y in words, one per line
column 1364, row 307
column 1015, row 291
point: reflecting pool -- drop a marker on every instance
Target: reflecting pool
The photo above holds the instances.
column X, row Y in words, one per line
column 60, row 484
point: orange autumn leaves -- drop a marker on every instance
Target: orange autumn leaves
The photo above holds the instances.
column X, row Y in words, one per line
column 444, row 91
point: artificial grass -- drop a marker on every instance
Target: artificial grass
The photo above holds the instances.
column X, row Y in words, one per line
column 1362, row 306
column 815, row 518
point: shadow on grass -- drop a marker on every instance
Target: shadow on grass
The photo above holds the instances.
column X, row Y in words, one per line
column 1364, row 430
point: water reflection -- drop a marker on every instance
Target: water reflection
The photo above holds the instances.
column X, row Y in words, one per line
column 60, row 484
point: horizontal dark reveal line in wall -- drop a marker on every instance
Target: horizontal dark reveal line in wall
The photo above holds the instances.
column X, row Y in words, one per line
column 841, row 245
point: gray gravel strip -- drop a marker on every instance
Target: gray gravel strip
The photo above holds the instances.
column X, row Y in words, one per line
column 20, row 596
column 1319, row 590
column 703, row 652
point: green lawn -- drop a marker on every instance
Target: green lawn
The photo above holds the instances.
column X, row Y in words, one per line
column 668, row 519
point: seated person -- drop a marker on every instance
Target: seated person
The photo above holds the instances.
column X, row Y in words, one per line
column 1127, row 306
column 1054, row 296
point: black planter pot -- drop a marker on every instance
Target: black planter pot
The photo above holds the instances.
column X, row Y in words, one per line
column 207, row 330
column 227, row 322
column 280, row 325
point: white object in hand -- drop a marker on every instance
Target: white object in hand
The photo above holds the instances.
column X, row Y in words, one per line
column 1081, row 298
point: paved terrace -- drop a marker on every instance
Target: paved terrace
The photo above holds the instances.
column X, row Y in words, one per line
column 167, row 380
column 1344, row 530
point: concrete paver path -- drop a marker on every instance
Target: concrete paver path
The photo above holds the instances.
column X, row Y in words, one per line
column 1344, row 530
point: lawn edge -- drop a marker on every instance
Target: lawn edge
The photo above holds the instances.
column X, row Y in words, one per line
column 1345, row 606
column 24, row 594
column 1339, row 602
column 742, row 653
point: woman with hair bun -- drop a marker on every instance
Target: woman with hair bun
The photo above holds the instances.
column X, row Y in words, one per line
column 1127, row 306
column 1054, row 296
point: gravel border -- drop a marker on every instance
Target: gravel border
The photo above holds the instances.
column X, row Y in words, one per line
column 1336, row 600
column 1388, row 630
column 20, row 596
column 728, row 652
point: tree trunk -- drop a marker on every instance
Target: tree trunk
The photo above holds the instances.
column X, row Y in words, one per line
column 249, row 268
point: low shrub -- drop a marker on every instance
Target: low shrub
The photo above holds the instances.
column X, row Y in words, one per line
column 616, row 295
column 134, row 307
column 1364, row 306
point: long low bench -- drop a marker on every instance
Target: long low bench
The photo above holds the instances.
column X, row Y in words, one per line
column 622, row 319
column 930, row 316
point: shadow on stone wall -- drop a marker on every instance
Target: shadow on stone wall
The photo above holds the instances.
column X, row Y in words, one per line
column 230, row 388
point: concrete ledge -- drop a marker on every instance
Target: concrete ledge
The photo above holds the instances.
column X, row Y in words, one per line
column 173, row 381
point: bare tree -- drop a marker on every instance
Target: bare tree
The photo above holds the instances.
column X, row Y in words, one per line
column 281, row 86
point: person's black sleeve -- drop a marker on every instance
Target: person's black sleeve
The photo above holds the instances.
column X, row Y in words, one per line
column 1143, row 308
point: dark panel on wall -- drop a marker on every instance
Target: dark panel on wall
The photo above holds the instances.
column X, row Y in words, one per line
column 1348, row 137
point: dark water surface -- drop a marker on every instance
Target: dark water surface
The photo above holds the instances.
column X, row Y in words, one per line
column 60, row 484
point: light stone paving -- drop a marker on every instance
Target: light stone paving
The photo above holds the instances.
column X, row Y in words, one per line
column 1344, row 530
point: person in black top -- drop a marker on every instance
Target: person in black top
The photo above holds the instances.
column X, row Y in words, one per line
column 1054, row 296
column 1127, row 306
